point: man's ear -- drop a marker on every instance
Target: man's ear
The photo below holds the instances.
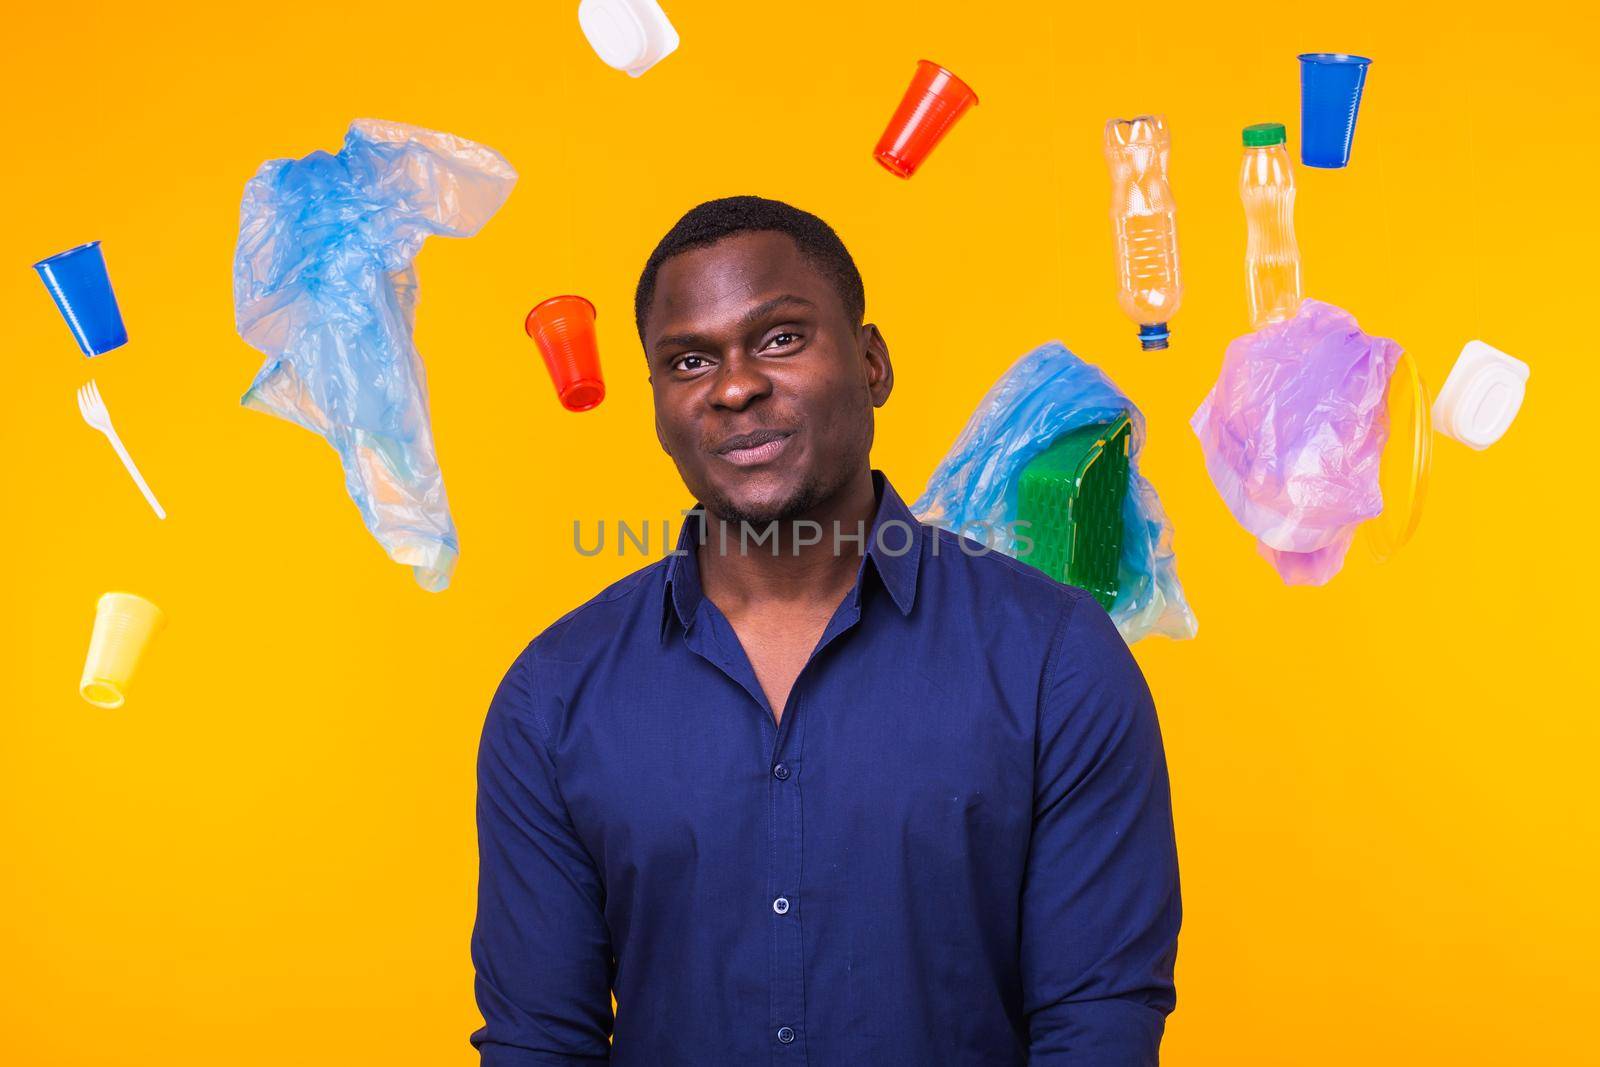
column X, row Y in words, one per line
column 880, row 371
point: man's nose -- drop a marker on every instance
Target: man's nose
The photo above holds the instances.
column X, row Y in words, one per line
column 739, row 382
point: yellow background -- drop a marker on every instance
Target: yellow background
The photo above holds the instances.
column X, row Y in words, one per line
column 1383, row 788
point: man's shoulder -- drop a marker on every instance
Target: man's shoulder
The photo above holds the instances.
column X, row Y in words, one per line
column 995, row 576
column 602, row 619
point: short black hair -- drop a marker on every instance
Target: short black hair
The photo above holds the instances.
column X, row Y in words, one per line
column 713, row 220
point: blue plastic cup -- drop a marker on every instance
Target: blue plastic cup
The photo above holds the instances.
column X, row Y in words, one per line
column 78, row 280
column 1330, row 96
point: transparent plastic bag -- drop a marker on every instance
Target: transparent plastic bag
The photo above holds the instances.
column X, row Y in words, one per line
column 323, row 283
column 1293, row 432
column 1046, row 393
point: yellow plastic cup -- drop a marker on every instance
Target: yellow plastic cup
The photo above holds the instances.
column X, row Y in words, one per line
column 123, row 626
column 1407, row 460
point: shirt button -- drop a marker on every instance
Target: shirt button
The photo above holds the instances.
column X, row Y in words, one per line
column 785, row 1035
column 781, row 905
column 781, row 772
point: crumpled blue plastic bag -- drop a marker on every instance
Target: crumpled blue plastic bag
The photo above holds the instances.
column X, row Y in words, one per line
column 323, row 283
column 1293, row 432
column 1046, row 393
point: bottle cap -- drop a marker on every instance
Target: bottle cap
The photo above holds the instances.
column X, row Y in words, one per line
column 1264, row 135
column 1153, row 336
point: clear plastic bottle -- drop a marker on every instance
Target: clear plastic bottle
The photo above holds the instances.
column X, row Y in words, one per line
column 1272, row 257
column 1142, row 216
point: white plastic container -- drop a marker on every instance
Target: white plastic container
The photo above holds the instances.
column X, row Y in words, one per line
column 1481, row 396
column 630, row 35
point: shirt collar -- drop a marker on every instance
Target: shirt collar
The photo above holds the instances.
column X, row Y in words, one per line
column 896, row 554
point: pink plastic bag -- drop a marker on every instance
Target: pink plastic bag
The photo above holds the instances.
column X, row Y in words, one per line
column 1292, row 434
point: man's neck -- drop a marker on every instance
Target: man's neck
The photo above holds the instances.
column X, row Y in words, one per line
column 800, row 563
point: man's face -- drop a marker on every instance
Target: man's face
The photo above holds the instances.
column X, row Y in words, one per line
column 764, row 386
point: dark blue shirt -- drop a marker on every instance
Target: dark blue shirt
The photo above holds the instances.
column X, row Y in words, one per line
column 955, row 848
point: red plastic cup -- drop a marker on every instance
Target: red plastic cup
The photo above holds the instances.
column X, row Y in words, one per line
column 931, row 105
column 563, row 328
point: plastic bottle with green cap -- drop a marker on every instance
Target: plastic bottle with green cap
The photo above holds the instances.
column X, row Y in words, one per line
column 1272, row 256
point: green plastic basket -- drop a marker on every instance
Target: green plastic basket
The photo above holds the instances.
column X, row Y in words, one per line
column 1071, row 495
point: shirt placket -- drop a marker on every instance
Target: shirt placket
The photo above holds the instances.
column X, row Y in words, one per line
column 787, row 1020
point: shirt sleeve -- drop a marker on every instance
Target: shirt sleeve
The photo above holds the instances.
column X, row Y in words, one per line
column 1100, row 900
column 540, row 944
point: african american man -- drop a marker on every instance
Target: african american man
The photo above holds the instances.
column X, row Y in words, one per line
column 825, row 785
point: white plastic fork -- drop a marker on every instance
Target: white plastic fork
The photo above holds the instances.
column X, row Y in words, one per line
column 95, row 414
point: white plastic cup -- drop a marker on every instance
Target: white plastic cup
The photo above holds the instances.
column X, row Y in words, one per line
column 123, row 626
column 1481, row 396
column 630, row 35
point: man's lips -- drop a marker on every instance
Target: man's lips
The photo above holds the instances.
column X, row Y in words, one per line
column 753, row 449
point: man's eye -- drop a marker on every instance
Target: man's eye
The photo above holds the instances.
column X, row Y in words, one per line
column 783, row 339
column 689, row 362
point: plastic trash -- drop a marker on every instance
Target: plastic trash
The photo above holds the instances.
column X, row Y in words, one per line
column 1144, row 221
column 1045, row 394
column 1407, row 461
column 323, row 283
column 1070, row 495
column 1272, row 255
column 563, row 328
column 1330, row 99
column 93, row 410
column 1293, row 432
column 932, row 103
column 81, row 287
column 1481, row 396
column 628, row 35
column 123, row 626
